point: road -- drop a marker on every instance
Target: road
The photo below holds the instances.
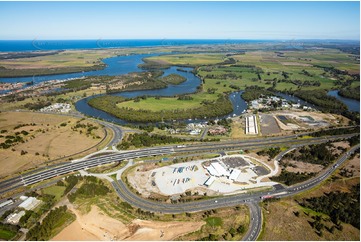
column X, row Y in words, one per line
column 68, row 167
column 255, row 225
column 251, row 200
column 125, row 194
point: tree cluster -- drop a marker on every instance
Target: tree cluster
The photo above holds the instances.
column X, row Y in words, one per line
column 54, row 219
column 340, row 206
column 145, row 139
column 290, row 178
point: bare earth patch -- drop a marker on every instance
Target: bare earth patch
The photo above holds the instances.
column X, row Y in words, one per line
column 303, row 167
column 97, row 226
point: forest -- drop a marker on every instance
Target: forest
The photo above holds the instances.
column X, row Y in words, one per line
column 322, row 100
column 350, row 92
column 255, row 92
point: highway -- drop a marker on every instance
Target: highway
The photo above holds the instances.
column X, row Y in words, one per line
column 57, row 170
column 251, row 200
column 127, row 195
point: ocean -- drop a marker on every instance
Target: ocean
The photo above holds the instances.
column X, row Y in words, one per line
column 36, row 45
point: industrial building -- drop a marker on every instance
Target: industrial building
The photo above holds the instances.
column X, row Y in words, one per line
column 30, row 203
column 14, row 218
column 251, row 125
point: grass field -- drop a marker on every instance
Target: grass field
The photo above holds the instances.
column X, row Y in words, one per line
column 56, row 191
column 69, row 58
column 63, row 62
column 164, row 103
column 189, row 59
column 70, row 97
column 46, row 139
column 259, row 68
column 282, row 224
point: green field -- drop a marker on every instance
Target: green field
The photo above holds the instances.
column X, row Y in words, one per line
column 189, row 59
column 280, row 71
column 56, row 191
column 6, row 234
column 214, row 221
column 159, row 105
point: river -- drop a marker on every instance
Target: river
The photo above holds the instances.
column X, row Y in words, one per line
column 352, row 104
column 117, row 65
column 125, row 64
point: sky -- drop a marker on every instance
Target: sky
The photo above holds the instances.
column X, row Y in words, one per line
column 179, row 20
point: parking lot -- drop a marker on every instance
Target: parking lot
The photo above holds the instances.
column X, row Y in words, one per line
column 235, row 162
column 269, row 125
column 179, row 178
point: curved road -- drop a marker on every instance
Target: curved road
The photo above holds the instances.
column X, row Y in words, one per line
column 255, row 224
column 249, row 199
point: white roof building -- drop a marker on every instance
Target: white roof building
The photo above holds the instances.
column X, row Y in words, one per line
column 30, row 203
column 23, row 198
column 209, row 181
column 212, row 171
column 14, row 218
column 234, row 174
column 216, row 169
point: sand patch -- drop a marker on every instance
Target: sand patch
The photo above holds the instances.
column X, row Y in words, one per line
column 97, row 226
column 93, row 226
column 151, row 230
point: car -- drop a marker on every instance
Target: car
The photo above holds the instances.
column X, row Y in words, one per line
column 216, row 201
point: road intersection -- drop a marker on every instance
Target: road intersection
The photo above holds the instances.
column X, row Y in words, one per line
column 251, row 200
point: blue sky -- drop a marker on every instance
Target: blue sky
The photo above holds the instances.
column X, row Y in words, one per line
column 179, row 20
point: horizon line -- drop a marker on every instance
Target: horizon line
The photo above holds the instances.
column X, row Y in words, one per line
column 280, row 39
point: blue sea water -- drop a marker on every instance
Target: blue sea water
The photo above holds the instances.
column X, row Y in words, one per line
column 36, row 45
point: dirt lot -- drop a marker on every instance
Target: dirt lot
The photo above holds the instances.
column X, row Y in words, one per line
column 303, row 167
column 46, row 139
column 269, row 125
column 295, row 122
column 97, row 226
column 139, row 179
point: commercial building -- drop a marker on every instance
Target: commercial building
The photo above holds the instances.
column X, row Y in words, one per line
column 217, row 170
